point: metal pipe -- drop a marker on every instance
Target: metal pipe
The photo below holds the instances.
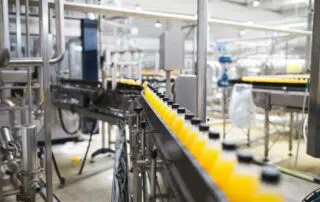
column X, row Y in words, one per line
column 108, row 10
column 309, row 37
column 202, row 32
column 28, row 55
column 4, row 38
column 48, row 120
column 59, row 8
column 153, row 175
column 30, row 166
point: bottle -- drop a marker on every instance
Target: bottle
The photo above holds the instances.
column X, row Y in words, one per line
column 244, row 182
column 225, row 165
column 179, row 122
column 268, row 190
column 211, row 152
column 193, row 133
column 164, row 107
column 188, row 117
column 173, row 115
column 200, row 142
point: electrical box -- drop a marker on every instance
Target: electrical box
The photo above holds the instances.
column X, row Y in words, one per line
column 185, row 92
column 172, row 50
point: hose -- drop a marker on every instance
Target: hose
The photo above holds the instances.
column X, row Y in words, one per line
column 88, row 147
column 63, row 126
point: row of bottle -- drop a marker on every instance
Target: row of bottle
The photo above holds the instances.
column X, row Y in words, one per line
column 232, row 171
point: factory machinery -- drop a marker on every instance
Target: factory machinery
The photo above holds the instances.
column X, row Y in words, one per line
column 168, row 156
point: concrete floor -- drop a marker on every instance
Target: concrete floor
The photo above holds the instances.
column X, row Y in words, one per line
column 97, row 185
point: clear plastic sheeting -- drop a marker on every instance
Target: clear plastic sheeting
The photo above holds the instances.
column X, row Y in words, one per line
column 120, row 175
column 242, row 107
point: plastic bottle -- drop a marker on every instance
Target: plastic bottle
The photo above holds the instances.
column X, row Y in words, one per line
column 173, row 115
column 211, row 152
column 225, row 165
column 268, row 190
column 179, row 121
column 192, row 135
column 244, row 182
column 200, row 142
column 188, row 117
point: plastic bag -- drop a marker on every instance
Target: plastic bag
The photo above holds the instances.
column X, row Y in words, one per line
column 242, row 108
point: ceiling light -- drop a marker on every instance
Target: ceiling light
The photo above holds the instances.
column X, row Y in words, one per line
column 256, row 3
column 158, row 24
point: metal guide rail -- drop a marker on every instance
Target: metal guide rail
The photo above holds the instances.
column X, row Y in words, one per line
column 189, row 180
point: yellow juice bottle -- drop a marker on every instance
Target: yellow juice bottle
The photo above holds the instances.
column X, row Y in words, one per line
column 268, row 190
column 192, row 135
column 244, row 182
column 177, row 125
column 173, row 115
column 179, row 122
column 211, row 152
column 183, row 132
column 225, row 165
column 200, row 143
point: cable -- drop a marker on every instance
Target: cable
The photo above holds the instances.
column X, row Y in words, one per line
column 63, row 126
column 88, row 147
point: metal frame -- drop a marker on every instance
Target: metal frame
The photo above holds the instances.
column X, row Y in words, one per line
column 313, row 148
column 191, row 182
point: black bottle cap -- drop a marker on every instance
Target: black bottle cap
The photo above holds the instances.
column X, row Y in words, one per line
column 170, row 102
column 245, row 156
column 158, row 94
column 213, row 134
column 270, row 175
column 165, row 99
column 181, row 110
column 229, row 145
column 175, row 106
column 188, row 116
column 203, row 127
column 161, row 96
column 195, row 121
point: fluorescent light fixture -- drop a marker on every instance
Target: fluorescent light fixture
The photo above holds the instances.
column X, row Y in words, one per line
column 158, row 24
column 256, row 3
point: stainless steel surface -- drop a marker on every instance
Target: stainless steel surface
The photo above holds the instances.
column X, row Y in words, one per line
column 291, row 133
column 6, row 137
column 186, row 178
column 13, row 76
column 30, row 101
column 29, row 148
column 59, row 36
column 185, row 92
column 309, row 38
column 168, row 84
column 171, row 50
column 153, row 178
column 4, row 38
column 202, row 32
column 48, row 118
column 30, row 166
column 18, row 29
column 224, row 111
column 266, row 128
column 109, row 10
